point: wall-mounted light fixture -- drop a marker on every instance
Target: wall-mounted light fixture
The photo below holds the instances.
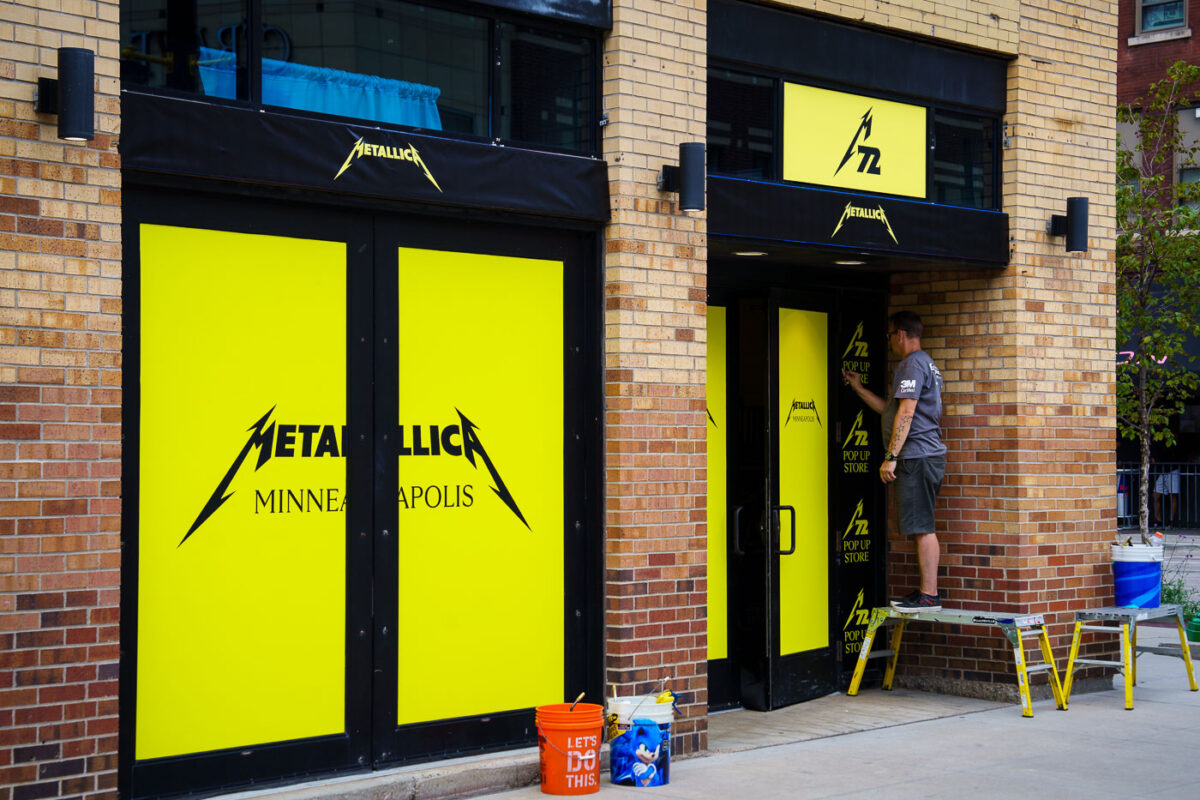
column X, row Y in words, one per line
column 1074, row 225
column 72, row 95
column 688, row 178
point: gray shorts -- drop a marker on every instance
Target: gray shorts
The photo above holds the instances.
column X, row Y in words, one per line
column 918, row 481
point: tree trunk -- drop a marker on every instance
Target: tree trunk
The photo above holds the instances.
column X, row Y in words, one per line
column 1144, row 422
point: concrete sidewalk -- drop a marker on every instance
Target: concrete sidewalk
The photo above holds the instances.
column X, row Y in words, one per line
column 1095, row 749
column 900, row 744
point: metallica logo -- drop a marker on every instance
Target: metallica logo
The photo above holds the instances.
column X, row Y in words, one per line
column 870, row 155
column 857, row 342
column 858, row 212
column 799, row 406
column 315, row 441
column 410, row 154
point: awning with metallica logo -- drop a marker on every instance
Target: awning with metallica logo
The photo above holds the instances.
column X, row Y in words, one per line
column 828, row 227
column 175, row 136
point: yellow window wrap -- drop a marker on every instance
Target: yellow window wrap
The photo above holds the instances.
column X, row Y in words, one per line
column 241, row 571
column 718, row 569
column 803, row 420
column 481, row 573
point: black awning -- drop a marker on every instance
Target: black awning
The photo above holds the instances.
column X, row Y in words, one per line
column 195, row 138
column 849, row 223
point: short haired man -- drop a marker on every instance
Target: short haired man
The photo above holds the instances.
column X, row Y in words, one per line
column 916, row 457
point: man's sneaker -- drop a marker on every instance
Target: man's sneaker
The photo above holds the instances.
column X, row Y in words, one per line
column 921, row 602
column 911, row 597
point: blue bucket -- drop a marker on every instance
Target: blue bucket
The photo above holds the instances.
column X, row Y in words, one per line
column 1137, row 575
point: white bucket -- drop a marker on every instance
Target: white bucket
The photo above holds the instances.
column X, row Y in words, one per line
column 641, row 708
column 1137, row 552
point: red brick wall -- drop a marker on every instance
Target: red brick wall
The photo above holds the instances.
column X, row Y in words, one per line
column 1141, row 65
column 60, row 417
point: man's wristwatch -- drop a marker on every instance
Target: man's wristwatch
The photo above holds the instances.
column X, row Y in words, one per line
column 889, row 456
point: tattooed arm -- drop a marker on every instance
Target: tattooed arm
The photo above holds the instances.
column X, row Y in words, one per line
column 901, row 427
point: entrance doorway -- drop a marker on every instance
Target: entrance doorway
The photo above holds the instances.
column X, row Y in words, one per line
column 795, row 524
column 354, row 537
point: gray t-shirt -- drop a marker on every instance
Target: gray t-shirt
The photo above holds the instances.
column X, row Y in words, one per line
column 917, row 377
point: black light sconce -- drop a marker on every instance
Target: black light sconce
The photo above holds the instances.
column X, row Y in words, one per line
column 71, row 96
column 1074, row 225
column 688, row 178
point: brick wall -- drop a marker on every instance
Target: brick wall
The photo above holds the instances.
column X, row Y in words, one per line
column 655, row 424
column 60, row 414
column 1141, row 64
column 1027, row 354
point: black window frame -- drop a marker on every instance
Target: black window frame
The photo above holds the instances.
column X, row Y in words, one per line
column 250, row 78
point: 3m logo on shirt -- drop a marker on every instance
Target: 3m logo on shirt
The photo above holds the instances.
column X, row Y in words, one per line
column 908, row 385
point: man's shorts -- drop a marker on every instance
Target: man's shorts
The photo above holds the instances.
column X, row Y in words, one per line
column 918, row 481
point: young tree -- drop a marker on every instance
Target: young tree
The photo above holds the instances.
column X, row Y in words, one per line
column 1158, row 267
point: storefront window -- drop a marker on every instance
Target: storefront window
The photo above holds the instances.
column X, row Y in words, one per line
column 741, row 124
column 546, row 87
column 389, row 62
column 964, row 160
column 162, row 42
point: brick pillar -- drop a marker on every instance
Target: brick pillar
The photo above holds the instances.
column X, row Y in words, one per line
column 1028, row 356
column 60, row 414
column 655, row 302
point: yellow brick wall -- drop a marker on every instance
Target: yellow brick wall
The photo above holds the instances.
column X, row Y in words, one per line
column 60, row 411
column 1028, row 354
column 655, row 268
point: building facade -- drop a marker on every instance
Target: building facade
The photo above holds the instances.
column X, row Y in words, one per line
column 365, row 384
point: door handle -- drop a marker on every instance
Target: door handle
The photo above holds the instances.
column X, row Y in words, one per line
column 737, row 530
column 792, row 513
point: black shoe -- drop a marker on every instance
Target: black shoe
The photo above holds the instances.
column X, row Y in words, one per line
column 922, row 602
column 911, row 597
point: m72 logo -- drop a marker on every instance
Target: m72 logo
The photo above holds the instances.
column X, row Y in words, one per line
column 870, row 155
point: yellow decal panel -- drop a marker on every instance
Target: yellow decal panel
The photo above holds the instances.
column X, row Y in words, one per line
column 241, row 533
column 853, row 142
column 803, row 419
column 718, row 572
column 480, row 499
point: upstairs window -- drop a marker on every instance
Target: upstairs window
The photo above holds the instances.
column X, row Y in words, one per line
column 741, row 124
column 964, row 160
column 385, row 61
column 1158, row 15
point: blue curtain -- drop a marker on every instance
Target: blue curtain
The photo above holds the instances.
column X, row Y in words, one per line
column 329, row 91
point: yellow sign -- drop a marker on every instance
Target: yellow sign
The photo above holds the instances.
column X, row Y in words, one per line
column 480, row 496
column 718, row 570
column 241, row 531
column 853, row 142
column 803, row 419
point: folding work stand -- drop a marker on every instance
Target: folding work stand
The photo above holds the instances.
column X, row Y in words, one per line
column 1016, row 628
column 1126, row 620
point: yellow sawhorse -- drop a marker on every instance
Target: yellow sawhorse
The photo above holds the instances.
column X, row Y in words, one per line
column 1016, row 628
column 1125, row 622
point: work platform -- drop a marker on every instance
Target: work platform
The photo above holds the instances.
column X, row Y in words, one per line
column 1124, row 621
column 1015, row 627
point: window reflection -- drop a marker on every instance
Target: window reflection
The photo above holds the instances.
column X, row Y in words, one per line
column 741, row 125
column 546, row 87
column 964, row 160
column 395, row 62
column 161, row 41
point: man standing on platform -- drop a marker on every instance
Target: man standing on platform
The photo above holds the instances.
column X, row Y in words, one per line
column 916, row 457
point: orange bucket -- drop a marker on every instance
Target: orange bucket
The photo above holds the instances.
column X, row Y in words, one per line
column 569, row 747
